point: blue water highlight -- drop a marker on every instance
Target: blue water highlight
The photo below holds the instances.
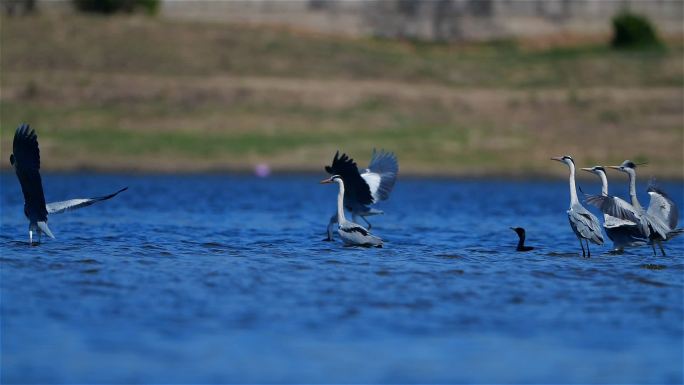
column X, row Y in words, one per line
column 225, row 278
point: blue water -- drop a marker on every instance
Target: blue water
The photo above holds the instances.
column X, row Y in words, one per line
column 216, row 278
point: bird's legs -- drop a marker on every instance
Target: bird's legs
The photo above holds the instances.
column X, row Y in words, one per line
column 654, row 250
column 582, row 246
column 662, row 250
column 331, row 223
column 588, row 251
column 366, row 220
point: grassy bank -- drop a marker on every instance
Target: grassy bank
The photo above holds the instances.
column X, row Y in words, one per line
column 149, row 94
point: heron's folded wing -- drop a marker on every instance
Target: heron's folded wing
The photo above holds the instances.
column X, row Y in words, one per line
column 73, row 204
column 587, row 225
column 356, row 188
column 381, row 174
column 663, row 207
column 26, row 161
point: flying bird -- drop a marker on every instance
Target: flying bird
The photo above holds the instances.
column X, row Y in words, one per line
column 659, row 221
column 363, row 188
column 26, row 161
column 521, row 239
column 623, row 233
column 352, row 234
column 585, row 224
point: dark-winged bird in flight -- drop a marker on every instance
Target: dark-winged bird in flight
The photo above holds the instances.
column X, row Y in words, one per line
column 26, row 161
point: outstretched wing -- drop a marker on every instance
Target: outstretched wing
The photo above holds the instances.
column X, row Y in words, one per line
column 615, row 207
column 381, row 174
column 355, row 187
column 26, row 161
column 663, row 207
column 73, row 204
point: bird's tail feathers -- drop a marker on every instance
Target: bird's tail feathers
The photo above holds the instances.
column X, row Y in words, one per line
column 44, row 228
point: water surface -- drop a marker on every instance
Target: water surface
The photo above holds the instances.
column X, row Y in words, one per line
column 217, row 278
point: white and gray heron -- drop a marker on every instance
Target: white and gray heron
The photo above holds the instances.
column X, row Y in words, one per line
column 659, row 220
column 585, row 224
column 352, row 234
column 623, row 233
column 26, row 161
column 364, row 188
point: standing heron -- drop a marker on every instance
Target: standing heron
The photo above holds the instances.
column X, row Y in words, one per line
column 352, row 234
column 521, row 239
column 585, row 225
column 660, row 219
column 365, row 188
column 623, row 233
column 26, row 161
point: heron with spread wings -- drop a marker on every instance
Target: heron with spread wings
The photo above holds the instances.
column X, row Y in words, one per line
column 623, row 232
column 363, row 188
column 657, row 223
column 25, row 159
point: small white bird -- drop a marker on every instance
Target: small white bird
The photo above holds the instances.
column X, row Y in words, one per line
column 351, row 233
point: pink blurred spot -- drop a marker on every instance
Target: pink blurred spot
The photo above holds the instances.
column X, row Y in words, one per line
column 262, row 170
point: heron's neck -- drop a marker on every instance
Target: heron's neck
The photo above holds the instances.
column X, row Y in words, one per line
column 604, row 183
column 573, row 189
column 632, row 190
column 340, row 202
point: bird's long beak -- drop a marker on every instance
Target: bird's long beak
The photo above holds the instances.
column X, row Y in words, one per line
column 558, row 158
column 587, row 169
column 615, row 167
column 512, row 228
column 324, row 181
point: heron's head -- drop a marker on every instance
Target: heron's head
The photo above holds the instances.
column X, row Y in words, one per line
column 12, row 159
column 598, row 170
column 519, row 230
column 567, row 159
column 627, row 167
column 334, row 178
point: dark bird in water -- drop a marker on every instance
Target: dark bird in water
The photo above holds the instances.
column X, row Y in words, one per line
column 26, row 161
column 521, row 242
column 363, row 188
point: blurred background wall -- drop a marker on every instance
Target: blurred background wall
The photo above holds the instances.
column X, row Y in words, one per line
column 448, row 20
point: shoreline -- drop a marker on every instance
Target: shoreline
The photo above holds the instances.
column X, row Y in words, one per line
column 284, row 172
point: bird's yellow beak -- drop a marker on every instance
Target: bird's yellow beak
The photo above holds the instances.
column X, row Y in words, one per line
column 615, row 167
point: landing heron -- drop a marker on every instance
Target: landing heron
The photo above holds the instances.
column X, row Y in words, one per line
column 364, row 188
column 352, row 234
column 26, row 161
